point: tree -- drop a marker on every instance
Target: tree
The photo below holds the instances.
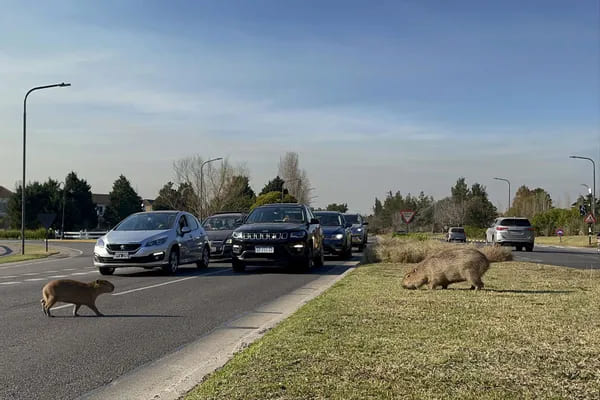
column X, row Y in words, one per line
column 480, row 212
column 238, row 196
column 274, row 185
column 342, row 207
column 528, row 203
column 39, row 198
column 270, row 198
column 124, row 201
column 80, row 210
column 296, row 179
column 174, row 199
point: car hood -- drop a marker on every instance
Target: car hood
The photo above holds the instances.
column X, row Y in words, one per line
column 332, row 229
column 218, row 235
column 271, row 227
column 122, row 237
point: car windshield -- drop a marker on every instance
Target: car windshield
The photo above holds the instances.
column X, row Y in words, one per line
column 515, row 222
column 276, row 214
column 147, row 222
column 329, row 219
column 457, row 230
column 352, row 219
column 222, row 223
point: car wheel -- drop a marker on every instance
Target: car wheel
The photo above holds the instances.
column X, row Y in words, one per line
column 106, row 270
column 519, row 248
column 237, row 265
column 205, row 259
column 305, row 264
column 361, row 247
column 171, row 267
column 529, row 247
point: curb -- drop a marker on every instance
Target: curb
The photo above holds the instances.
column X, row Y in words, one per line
column 174, row 375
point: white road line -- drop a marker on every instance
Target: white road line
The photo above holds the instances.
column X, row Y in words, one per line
column 31, row 274
column 8, row 277
column 168, row 283
column 83, row 273
column 59, row 307
column 50, row 272
column 9, row 283
column 70, row 269
column 58, row 276
column 35, row 279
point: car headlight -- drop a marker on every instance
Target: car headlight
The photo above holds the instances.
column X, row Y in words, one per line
column 358, row 229
column 228, row 241
column 156, row 242
column 297, row 235
column 100, row 243
column 237, row 235
column 339, row 236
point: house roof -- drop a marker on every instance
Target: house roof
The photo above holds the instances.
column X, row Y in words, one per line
column 5, row 193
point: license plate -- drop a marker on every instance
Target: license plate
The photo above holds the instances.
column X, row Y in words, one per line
column 121, row 255
column 264, row 249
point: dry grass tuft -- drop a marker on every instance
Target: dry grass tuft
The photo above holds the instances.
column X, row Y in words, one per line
column 497, row 254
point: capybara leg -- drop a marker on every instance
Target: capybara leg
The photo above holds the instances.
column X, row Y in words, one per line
column 75, row 309
column 432, row 285
column 51, row 301
column 445, row 286
column 476, row 282
column 43, row 302
column 94, row 309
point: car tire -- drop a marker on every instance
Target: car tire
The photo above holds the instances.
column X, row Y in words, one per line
column 238, row 265
column 203, row 263
column 346, row 254
column 529, row 247
column 361, row 247
column 173, row 264
column 106, row 270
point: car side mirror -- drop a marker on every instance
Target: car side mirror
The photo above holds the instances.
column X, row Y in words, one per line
column 365, row 223
column 185, row 229
column 314, row 221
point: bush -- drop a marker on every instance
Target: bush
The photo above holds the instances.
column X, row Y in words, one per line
column 36, row 234
column 474, row 232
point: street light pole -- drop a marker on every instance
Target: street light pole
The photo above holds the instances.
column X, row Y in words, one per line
column 24, row 141
column 202, row 185
column 594, row 177
column 507, row 181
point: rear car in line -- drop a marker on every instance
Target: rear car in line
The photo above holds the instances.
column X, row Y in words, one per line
column 282, row 234
column 511, row 231
column 163, row 239
column 359, row 230
column 337, row 233
column 219, row 228
column 456, row 234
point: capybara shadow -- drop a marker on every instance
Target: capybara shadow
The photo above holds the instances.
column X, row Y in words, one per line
column 447, row 267
column 74, row 292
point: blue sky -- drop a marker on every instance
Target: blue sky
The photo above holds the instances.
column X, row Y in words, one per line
column 374, row 96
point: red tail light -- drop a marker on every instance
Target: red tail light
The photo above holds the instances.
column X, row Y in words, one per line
column 501, row 228
column 531, row 229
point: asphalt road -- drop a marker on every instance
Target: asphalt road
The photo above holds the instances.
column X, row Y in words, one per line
column 569, row 257
column 148, row 316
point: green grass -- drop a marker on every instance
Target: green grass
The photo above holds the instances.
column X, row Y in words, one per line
column 534, row 333
column 32, row 252
column 574, row 241
column 29, row 234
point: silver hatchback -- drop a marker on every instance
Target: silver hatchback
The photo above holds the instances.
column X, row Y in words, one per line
column 456, row 234
column 511, row 231
column 162, row 239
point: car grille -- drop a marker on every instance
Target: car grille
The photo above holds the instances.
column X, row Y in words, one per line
column 123, row 247
column 265, row 235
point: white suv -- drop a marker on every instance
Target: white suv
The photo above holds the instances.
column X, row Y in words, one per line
column 511, row 231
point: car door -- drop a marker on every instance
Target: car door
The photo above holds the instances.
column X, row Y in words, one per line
column 185, row 240
column 198, row 239
column 315, row 231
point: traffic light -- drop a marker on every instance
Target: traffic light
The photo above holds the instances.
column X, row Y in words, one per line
column 582, row 210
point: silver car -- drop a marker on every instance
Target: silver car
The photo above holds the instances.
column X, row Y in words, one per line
column 511, row 231
column 456, row 234
column 162, row 239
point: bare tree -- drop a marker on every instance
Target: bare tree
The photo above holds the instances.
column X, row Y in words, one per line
column 217, row 178
column 296, row 179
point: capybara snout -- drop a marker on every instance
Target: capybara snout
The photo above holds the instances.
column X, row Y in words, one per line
column 447, row 267
column 74, row 292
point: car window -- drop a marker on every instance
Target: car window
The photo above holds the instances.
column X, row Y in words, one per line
column 353, row 219
column 182, row 223
column 147, row 222
column 192, row 222
column 329, row 219
column 276, row 214
column 222, row 222
column 515, row 222
column 457, row 230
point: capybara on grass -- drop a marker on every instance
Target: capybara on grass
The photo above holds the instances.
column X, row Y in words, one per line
column 77, row 293
column 446, row 267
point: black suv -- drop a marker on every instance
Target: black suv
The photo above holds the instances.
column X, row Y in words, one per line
column 282, row 232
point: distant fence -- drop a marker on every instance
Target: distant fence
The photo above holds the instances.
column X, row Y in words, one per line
column 82, row 235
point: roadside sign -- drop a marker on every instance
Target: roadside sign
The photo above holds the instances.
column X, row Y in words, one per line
column 590, row 219
column 407, row 215
column 560, row 232
column 46, row 219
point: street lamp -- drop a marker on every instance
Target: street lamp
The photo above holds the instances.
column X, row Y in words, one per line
column 507, row 181
column 64, row 202
column 594, row 175
column 24, row 137
column 202, row 184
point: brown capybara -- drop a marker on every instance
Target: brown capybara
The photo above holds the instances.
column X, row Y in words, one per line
column 446, row 267
column 77, row 293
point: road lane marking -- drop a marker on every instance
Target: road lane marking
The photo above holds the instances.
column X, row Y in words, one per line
column 168, row 283
column 35, row 279
column 83, row 273
column 31, row 274
column 58, row 276
column 9, row 283
column 70, row 269
column 9, row 277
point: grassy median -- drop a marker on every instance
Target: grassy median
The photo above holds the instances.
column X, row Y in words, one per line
column 32, row 252
column 572, row 241
column 533, row 333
